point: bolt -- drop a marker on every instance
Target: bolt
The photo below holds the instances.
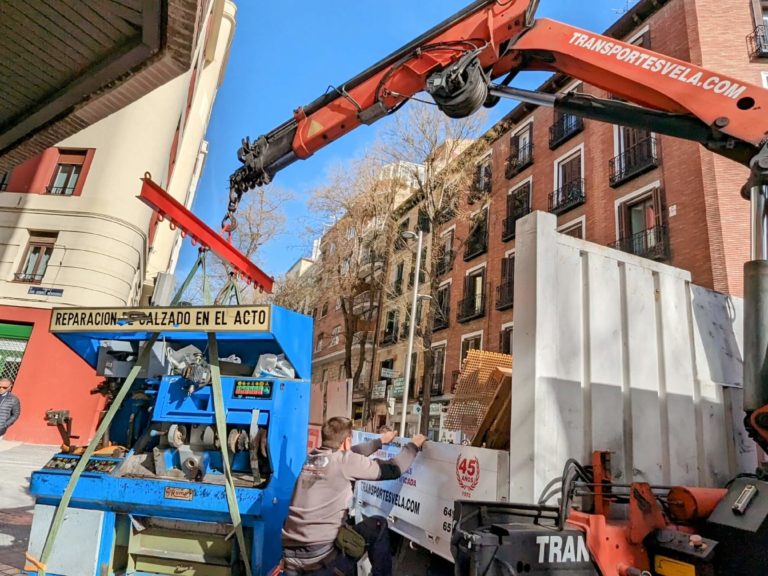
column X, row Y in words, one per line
column 722, row 122
column 696, row 541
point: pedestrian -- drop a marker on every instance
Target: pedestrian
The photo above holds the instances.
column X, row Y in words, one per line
column 316, row 538
column 10, row 407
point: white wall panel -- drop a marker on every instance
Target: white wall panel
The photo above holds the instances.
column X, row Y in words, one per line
column 616, row 352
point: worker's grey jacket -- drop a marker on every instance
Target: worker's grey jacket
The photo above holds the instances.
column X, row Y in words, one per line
column 324, row 489
column 10, row 408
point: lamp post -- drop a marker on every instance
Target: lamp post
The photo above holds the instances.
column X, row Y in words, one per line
column 408, row 235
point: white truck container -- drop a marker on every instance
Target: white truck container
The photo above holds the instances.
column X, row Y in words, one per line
column 612, row 352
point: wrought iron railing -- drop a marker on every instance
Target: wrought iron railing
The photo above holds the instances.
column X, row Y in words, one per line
column 371, row 257
column 28, row 278
column 634, row 161
column 520, row 157
column 60, row 190
column 757, row 42
column 565, row 127
column 505, row 294
column 442, row 318
column 389, row 337
column 569, row 195
column 471, row 307
column 477, row 243
column 652, row 243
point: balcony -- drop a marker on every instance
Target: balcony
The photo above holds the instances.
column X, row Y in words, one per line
column 477, row 244
column 652, row 243
column 565, row 127
column 567, row 197
column 636, row 160
column 28, row 278
column 444, row 263
column 505, row 294
column 518, row 207
column 370, row 262
column 363, row 302
column 471, row 307
column 388, row 337
column 442, row 318
column 757, row 42
column 520, row 157
column 60, row 190
column 481, row 185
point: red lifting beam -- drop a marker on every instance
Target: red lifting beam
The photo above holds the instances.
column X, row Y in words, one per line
column 190, row 225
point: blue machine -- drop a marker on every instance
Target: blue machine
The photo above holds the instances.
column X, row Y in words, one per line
column 160, row 507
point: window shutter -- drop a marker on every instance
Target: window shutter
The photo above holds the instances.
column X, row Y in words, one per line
column 511, row 202
column 658, row 206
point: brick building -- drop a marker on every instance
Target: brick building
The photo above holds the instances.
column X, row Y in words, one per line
column 655, row 196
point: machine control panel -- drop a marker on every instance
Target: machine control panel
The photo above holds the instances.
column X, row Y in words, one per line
column 68, row 462
column 252, row 389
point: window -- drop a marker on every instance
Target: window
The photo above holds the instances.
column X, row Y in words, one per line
column 325, row 376
column 390, row 328
column 481, row 183
column 445, row 257
column 477, row 241
column 422, row 271
column 642, row 230
column 443, row 311
column 757, row 41
column 471, row 342
column 13, row 343
column 342, row 373
column 518, row 205
column 344, row 268
column 400, row 242
column 564, row 126
column 3, row 181
column 570, row 184
column 505, row 340
column 520, row 151
column 438, row 370
column 412, row 375
column 423, row 222
column 473, row 304
column 397, row 283
column 338, row 303
column 576, row 230
column 335, row 335
column 320, row 342
column 38, row 254
column 505, row 291
column 67, row 173
column 635, row 154
column 324, row 311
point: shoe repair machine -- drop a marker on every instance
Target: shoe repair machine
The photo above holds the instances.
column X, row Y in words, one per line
column 192, row 467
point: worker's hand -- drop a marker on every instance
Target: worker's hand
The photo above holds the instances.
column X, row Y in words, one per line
column 387, row 437
column 419, row 440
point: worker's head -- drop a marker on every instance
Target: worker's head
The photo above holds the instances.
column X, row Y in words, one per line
column 5, row 385
column 337, row 433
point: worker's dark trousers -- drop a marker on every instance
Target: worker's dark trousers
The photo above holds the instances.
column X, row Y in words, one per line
column 376, row 535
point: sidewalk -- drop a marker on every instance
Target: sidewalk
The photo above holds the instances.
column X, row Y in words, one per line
column 17, row 462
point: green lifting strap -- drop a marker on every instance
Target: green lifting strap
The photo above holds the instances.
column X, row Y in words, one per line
column 221, row 430
column 61, row 509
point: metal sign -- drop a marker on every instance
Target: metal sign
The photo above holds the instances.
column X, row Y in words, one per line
column 419, row 504
column 163, row 319
column 389, row 373
column 397, row 388
column 379, row 390
column 40, row 291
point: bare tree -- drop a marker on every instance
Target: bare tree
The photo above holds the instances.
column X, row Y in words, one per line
column 355, row 207
column 260, row 218
column 445, row 156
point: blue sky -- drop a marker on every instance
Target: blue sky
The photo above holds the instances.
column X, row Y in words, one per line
column 287, row 52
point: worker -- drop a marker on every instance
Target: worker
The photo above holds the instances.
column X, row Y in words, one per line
column 10, row 407
column 316, row 538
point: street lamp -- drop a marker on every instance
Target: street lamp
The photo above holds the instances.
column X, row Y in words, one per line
column 408, row 235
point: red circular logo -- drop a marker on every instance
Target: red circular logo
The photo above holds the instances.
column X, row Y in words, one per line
column 467, row 472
